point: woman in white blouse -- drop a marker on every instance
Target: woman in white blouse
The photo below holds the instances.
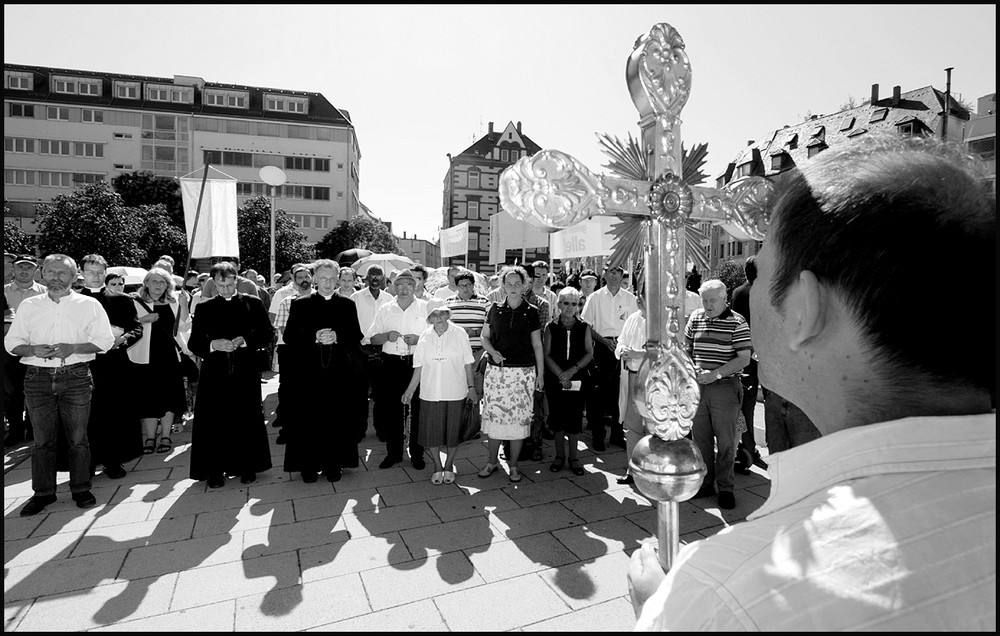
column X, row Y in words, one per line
column 442, row 368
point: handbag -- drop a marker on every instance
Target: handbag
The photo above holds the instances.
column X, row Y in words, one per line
column 471, row 422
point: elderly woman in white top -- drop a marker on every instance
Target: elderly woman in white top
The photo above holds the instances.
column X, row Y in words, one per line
column 442, row 368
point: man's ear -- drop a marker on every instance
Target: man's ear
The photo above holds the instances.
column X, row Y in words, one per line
column 806, row 310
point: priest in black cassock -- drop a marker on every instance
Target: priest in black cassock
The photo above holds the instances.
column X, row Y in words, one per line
column 230, row 437
column 113, row 430
column 324, row 336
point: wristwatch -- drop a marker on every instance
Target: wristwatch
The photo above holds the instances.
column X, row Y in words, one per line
column 718, row 376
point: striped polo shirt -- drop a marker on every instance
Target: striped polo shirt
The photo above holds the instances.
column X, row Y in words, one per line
column 715, row 341
column 469, row 315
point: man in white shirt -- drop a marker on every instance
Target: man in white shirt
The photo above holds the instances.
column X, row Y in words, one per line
column 23, row 285
column 888, row 521
column 444, row 293
column 369, row 299
column 57, row 334
column 606, row 310
column 397, row 328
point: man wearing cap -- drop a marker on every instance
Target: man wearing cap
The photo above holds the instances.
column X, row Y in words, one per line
column 397, row 328
column 588, row 283
column 369, row 299
column 324, row 336
column 57, row 334
column 605, row 311
column 301, row 286
column 22, row 286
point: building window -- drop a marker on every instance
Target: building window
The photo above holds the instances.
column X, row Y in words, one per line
column 504, row 155
column 118, row 135
column 848, row 124
column 64, row 86
column 19, row 177
column 793, row 142
column 321, row 165
column 127, row 90
column 156, row 94
column 88, row 149
column 815, row 150
column 58, row 113
column 340, row 166
column 55, row 179
column 985, row 149
column 905, row 129
column 237, row 159
column 878, row 115
column 22, row 110
column 19, row 80
column 340, row 194
column 284, row 103
column 744, row 170
column 53, row 147
column 298, row 163
column 473, row 211
column 93, row 116
column 18, row 144
column 183, row 95
column 84, row 177
column 779, row 161
column 90, row 87
column 474, row 179
column 123, row 166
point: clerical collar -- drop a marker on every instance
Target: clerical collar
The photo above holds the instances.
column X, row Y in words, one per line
column 96, row 290
column 326, row 297
column 227, row 298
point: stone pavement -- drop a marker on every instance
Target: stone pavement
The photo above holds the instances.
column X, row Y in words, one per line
column 381, row 550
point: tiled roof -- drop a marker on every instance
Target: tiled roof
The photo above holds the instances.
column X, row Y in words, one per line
column 320, row 109
column 484, row 146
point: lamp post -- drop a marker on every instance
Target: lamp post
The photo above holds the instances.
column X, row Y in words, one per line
column 274, row 177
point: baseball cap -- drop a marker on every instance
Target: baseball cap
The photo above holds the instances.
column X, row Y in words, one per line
column 25, row 258
column 611, row 268
column 588, row 272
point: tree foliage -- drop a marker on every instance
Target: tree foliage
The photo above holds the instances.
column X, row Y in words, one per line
column 254, row 230
column 145, row 188
column 159, row 235
column 16, row 240
column 359, row 232
column 731, row 273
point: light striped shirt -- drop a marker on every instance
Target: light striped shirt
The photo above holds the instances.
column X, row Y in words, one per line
column 715, row 341
column 284, row 307
column 884, row 527
column 470, row 315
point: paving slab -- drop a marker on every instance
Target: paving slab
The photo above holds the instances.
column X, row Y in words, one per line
column 301, row 607
column 218, row 617
column 206, row 585
column 501, row 606
column 61, row 575
column 422, row 616
column 416, row 580
column 502, row 560
column 182, row 556
column 357, row 555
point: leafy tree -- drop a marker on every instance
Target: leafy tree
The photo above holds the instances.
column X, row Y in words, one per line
column 161, row 236
column 731, row 273
column 16, row 240
column 145, row 188
column 254, row 230
column 91, row 220
column 360, row 232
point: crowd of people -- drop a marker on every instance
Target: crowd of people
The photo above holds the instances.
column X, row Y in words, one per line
column 857, row 392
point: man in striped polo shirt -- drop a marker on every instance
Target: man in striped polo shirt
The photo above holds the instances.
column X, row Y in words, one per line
column 718, row 340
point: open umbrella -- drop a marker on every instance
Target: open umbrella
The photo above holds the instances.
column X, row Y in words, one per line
column 132, row 275
column 347, row 257
column 388, row 263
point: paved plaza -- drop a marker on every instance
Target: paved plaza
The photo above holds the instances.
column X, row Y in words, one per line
column 380, row 550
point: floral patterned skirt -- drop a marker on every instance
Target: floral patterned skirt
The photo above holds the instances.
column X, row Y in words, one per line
column 508, row 402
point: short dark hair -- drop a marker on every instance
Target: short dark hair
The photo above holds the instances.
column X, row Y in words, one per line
column 225, row 268
column 94, row 258
column 465, row 276
column 507, row 270
column 420, row 268
column 852, row 216
column 533, row 272
column 750, row 269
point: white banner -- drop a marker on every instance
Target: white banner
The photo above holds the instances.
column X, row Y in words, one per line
column 591, row 237
column 507, row 233
column 454, row 241
column 216, row 234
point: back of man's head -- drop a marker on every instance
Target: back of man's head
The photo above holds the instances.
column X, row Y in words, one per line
column 750, row 269
column 866, row 219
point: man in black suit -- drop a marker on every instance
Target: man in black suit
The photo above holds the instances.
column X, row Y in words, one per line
column 113, row 429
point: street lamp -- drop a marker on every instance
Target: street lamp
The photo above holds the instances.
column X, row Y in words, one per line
column 274, row 177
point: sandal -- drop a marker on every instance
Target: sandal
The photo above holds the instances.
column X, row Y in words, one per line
column 448, row 477
column 574, row 465
column 166, row 445
column 488, row 470
column 557, row 464
column 149, row 446
column 437, row 478
column 515, row 474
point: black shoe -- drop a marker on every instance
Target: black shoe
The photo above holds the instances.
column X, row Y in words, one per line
column 617, row 441
column 276, row 423
column 280, row 439
column 389, row 462
column 536, row 453
column 727, row 500
column 248, row 478
column 758, row 461
column 12, row 440
column 598, row 444
column 626, row 480
column 309, row 476
column 216, row 482
column 334, row 474
column 418, row 462
column 114, row 471
column 707, row 490
column 84, row 499
column 744, row 460
column 36, row 504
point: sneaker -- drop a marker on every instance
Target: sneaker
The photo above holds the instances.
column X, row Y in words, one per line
column 84, row 499
column 727, row 500
column 36, row 504
column 114, row 471
column 309, row 476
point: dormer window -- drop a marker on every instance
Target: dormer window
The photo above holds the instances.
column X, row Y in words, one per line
column 226, row 99
column 127, row 90
column 19, row 80
column 815, row 147
column 285, row 104
column 780, row 160
column 75, row 85
column 847, row 124
column 878, row 115
column 819, row 132
column 793, row 142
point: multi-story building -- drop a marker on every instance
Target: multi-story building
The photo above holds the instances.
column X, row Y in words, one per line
column 420, row 250
column 917, row 112
column 64, row 127
column 471, row 189
column 981, row 137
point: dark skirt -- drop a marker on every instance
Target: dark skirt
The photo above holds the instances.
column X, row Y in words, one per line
column 440, row 423
column 565, row 410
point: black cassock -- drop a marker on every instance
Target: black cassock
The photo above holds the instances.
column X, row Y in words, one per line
column 319, row 439
column 229, row 435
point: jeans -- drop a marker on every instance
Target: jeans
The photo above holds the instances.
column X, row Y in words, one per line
column 714, row 430
column 785, row 425
column 59, row 396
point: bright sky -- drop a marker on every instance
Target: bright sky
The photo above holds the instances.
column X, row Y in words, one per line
column 421, row 81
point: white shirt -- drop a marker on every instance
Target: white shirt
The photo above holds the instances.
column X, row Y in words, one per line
column 15, row 293
column 444, row 293
column 391, row 317
column 887, row 527
column 367, row 306
column 606, row 313
column 633, row 337
column 289, row 290
column 75, row 319
column 442, row 361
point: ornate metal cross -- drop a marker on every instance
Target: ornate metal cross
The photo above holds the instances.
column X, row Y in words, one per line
column 552, row 190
